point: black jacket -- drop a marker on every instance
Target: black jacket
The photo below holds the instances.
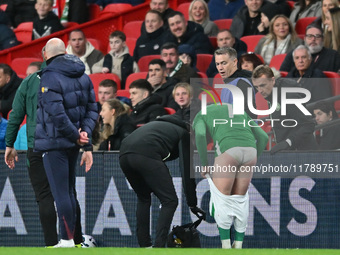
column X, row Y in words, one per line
column 194, row 35
column 325, row 60
column 315, row 81
column 149, row 43
column 20, row 11
column 166, row 138
column 330, row 138
column 301, row 136
column 46, row 26
column 7, row 94
column 123, row 128
column 147, row 110
column 165, row 92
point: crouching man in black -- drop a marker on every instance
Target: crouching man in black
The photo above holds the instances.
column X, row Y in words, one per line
column 142, row 158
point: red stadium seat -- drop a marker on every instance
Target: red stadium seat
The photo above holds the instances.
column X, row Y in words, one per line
column 115, row 8
column 134, row 76
column 131, row 44
column 169, row 110
column 277, row 60
column 213, row 41
column 291, row 4
column 69, row 24
column 143, row 62
column 283, row 73
column 203, row 62
column 335, row 82
column 302, row 23
column 132, row 29
column 25, row 26
column 96, row 43
column 123, row 93
column 3, row 7
column 223, row 23
column 24, row 32
column 251, row 41
column 184, row 8
column 96, row 78
column 19, row 65
column 94, row 11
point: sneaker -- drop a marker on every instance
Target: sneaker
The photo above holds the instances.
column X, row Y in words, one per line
column 77, row 245
column 237, row 245
column 65, row 244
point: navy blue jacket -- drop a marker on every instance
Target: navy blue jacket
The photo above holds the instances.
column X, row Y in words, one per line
column 66, row 103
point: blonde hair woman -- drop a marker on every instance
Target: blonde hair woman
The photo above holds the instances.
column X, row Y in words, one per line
column 332, row 33
column 281, row 39
column 199, row 13
column 116, row 124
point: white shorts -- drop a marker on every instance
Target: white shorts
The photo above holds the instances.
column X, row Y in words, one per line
column 242, row 154
column 227, row 210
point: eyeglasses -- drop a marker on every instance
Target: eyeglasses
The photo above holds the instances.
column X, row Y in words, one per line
column 310, row 36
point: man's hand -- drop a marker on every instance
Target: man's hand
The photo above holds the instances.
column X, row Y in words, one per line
column 83, row 139
column 279, row 147
column 105, row 70
column 11, row 156
column 88, row 159
column 198, row 212
column 154, row 81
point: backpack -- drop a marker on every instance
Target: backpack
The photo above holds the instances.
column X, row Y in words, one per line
column 185, row 236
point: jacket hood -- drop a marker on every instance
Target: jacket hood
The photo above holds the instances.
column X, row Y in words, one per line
column 68, row 65
column 121, row 55
column 88, row 51
column 190, row 50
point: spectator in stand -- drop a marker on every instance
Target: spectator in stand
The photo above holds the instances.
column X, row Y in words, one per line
column 188, row 106
column 187, row 32
column 20, row 11
column 188, row 55
column 224, row 9
column 304, row 72
column 162, row 6
column 305, row 8
column 9, row 83
column 226, row 64
column 199, row 13
column 226, row 39
column 3, row 127
column 162, row 86
column 117, row 124
column 326, row 5
column 175, row 68
column 83, row 49
column 145, row 105
column 33, row 67
column 298, row 137
column 107, row 89
column 248, row 18
column 7, row 36
column 46, row 22
column 118, row 60
column 328, row 137
column 152, row 36
column 323, row 58
column 332, row 33
column 249, row 61
column 281, row 39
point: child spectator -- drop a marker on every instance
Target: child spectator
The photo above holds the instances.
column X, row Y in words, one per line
column 46, row 22
column 118, row 60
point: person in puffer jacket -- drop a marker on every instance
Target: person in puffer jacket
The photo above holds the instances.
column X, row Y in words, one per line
column 66, row 116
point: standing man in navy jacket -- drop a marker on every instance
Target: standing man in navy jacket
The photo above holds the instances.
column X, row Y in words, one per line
column 66, row 116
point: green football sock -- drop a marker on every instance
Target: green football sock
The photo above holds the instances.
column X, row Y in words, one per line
column 224, row 233
column 239, row 236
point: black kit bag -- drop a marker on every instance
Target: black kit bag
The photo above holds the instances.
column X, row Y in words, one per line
column 185, row 236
